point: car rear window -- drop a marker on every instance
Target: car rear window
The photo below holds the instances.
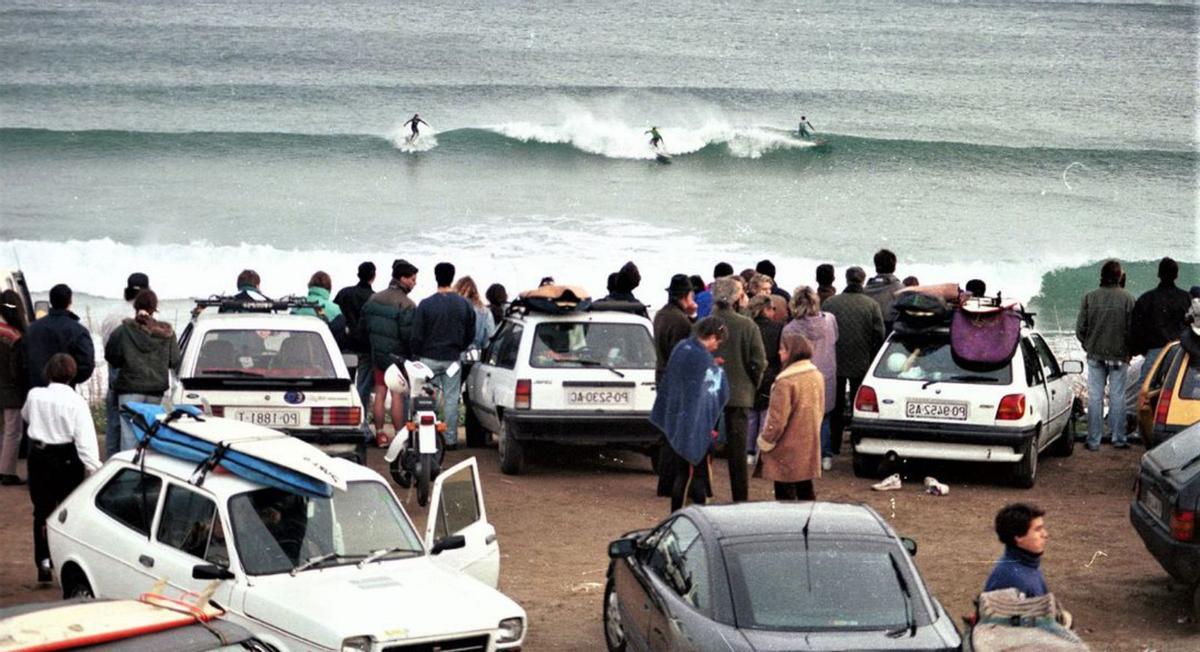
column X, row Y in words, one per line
column 1189, row 388
column 928, row 357
column 592, row 344
column 784, row 585
column 264, row 353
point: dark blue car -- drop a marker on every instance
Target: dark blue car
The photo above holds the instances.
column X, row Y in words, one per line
column 771, row 576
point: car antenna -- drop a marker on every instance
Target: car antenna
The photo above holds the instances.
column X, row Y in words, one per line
column 804, row 531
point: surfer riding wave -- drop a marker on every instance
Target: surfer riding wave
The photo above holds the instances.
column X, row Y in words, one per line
column 655, row 138
column 415, row 121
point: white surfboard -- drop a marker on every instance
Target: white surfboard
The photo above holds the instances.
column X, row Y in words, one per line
column 97, row 623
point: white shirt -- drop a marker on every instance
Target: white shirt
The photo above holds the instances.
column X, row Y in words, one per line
column 58, row 415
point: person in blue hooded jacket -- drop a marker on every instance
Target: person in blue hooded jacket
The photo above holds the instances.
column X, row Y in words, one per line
column 690, row 399
column 319, row 288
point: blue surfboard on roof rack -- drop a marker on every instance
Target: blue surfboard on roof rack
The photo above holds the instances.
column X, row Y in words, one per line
column 258, row 454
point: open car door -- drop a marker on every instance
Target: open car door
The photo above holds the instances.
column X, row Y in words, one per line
column 457, row 509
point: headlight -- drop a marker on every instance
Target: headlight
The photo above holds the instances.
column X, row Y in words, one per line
column 357, row 644
column 511, row 630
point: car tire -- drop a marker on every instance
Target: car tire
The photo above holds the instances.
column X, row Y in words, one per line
column 76, row 585
column 1024, row 473
column 512, row 451
column 1065, row 444
column 360, row 453
column 614, row 629
column 476, row 435
column 865, row 466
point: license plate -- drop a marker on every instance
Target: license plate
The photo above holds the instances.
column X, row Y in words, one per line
column 269, row 418
column 598, row 396
column 1152, row 503
column 936, row 410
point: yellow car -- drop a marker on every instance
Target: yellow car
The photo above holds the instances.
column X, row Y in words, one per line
column 1170, row 396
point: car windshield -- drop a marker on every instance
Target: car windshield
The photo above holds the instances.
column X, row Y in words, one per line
column 276, row 531
column 927, row 357
column 778, row 585
column 264, row 353
column 592, row 344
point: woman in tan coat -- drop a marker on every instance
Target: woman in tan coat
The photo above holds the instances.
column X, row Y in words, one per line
column 791, row 440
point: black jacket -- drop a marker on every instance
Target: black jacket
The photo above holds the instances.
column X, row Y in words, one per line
column 58, row 332
column 1158, row 317
column 771, row 331
column 671, row 326
column 351, row 300
column 443, row 327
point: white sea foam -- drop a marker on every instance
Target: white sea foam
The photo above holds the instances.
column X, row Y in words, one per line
column 401, row 138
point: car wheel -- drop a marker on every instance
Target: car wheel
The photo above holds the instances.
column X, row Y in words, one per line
column 476, row 435
column 614, row 629
column 1065, row 444
column 76, row 586
column 360, row 453
column 865, row 466
column 512, row 452
column 1025, row 472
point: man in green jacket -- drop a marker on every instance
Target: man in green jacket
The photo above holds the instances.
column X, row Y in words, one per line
column 860, row 334
column 744, row 360
column 1104, row 327
column 387, row 319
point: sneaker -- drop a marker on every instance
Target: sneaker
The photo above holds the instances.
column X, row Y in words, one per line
column 44, row 575
column 750, row 459
column 826, row 463
column 890, row 483
column 1092, row 449
column 933, row 487
column 381, row 439
column 1121, row 444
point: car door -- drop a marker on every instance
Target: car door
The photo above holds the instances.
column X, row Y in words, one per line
column 189, row 532
column 681, row 590
column 1060, row 394
column 1152, row 389
column 457, row 508
column 1036, row 392
column 124, row 567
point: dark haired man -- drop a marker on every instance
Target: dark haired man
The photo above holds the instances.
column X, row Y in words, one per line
column 1021, row 527
column 704, row 298
column 386, row 327
column 59, row 332
column 351, row 300
column 444, row 327
column 767, row 267
column 976, row 287
column 825, row 277
column 1103, row 327
column 1159, row 315
column 860, row 334
column 883, row 286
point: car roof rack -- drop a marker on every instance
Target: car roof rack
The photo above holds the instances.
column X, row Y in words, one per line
column 233, row 304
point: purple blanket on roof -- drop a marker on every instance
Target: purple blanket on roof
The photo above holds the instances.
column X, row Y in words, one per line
column 985, row 339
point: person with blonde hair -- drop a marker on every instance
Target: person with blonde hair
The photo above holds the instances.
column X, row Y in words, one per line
column 485, row 323
column 791, row 438
column 760, row 284
column 821, row 330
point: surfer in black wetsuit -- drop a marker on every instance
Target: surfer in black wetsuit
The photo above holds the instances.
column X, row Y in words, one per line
column 414, row 121
column 805, row 129
column 655, row 138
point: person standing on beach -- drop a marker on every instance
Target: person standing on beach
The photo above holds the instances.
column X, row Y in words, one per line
column 248, row 282
column 860, row 334
column 143, row 350
column 672, row 325
column 742, row 356
column 485, row 325
column 1159, row 315
column 883, row 286
column 791, row 438
column 351, row 300
column 704, row 297
column 821, row 331
column 443, row 328
column 62, row 448
column 1103, row 328
column 59, row 332
column 762, row 310
column 767, row 267
column 825, row 278
column 112, row 425
column 13, row 383
column 497, row 297
column 386, row 325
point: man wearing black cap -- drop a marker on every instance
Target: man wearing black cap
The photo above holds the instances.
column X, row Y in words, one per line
column 351, row 300
column 386, row 325
column 767, row 267
column 136, row 282
column 672, row 325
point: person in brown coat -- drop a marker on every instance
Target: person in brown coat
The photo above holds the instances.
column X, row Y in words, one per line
column 790, row 444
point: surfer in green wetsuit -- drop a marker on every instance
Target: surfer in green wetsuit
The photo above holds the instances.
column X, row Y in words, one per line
column 805, row 129
column 655, row 138
column 414, row 121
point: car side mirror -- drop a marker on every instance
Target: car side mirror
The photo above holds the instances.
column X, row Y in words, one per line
column 211, row 572
column 1071, row 366
column 909, row 545
column 452, row 542
column 350, row 360
column 622, row 548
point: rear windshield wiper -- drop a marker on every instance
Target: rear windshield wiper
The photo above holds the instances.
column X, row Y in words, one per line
column 380, row 554
column 963, row 378
column 218, row 372
column 910, row 622
column 1182, row 466
column 594, row 363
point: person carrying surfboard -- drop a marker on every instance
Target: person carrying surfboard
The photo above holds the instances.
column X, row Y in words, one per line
column 805, row 129
column 655, row 138
column 414, row 121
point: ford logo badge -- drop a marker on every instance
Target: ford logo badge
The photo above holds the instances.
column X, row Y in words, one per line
column 294, row 397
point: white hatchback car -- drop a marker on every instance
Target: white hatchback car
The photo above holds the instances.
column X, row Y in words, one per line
column 347, row 573
column 918, row 402
column 276, row 370
column 584, row 377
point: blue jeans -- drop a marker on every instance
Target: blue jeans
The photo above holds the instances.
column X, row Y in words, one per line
column 451, row 387
column 112, row 425
column 758, row 420
column 364, row 380
column 1113, row 373
column 1148, row 362
column 826, row 437
column 128, row 439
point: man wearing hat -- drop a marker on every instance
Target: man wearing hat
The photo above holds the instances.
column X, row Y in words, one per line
column 672, row 325
column 136, row 282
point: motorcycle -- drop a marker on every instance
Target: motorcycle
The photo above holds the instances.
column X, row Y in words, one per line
column 415, row 454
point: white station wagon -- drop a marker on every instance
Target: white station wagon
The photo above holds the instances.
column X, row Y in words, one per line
column 347, row 573
column 918, row 402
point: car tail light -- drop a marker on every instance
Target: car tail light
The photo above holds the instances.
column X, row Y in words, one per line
column 1012, row 408
column 866, row 400
column 337, row 416
column 427, row 419
column 1164, row 407
column 217, row 410
column 524, row 392
column 1183, row 524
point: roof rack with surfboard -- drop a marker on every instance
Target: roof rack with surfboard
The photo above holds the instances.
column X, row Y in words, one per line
column 565, row 299
column 258, row 454
column 233, row 304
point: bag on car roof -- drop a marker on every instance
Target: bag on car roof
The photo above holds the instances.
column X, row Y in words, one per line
column 985, row 338
column 917, row 312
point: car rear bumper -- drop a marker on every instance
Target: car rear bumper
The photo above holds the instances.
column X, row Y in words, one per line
column 333, row 441
column 1180, row 560
column 578, row 427
column 940, row 441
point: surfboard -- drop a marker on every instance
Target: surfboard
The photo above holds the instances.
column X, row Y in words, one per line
column 99, row 622
column 665, row 159
column 261, row 455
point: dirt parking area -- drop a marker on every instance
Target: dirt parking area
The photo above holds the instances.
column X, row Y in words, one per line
column 554, row 524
